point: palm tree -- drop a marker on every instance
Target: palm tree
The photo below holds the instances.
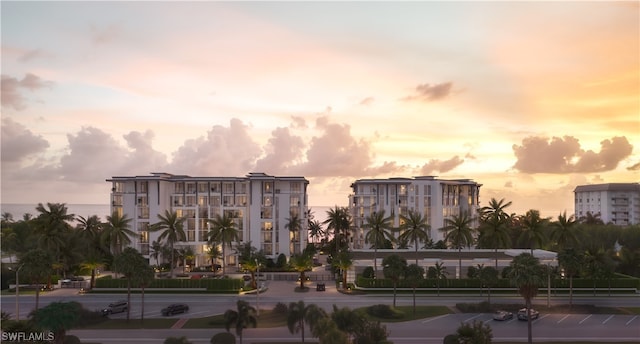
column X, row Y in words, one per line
column 338, row 220
column 298, row 314
column 244, row 317
column 315, row 230
column 294, row 225
column 92, row 262
column 155, row 251
column 527, row 275
column 564, row 233
column 224, row 231
column 591, row 219
column 414, row 274
column 379, row 229
column 36, row 266
column 394, row 268
column 571, row 262
column 213, row 252
column 488, row 276
column 343, row 261
column 301, row 263
column 172, row 227
column 415, row 229
column 130, row 264
column 143, row 278
column 494, row 225
column 117, row 233
column 90, row 229
column 437, row 272
column 458, row 234
column 533, row 227
column 52, row 226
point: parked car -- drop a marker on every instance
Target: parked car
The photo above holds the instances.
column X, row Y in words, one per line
column 502, row 315
column 116, row 307
column 320, row 287
column 522, row 314
column 175, row 309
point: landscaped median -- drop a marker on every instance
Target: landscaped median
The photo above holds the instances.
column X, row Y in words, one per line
column 182, row 285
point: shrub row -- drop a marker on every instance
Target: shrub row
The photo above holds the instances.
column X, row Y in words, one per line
column 501, row 283
column 223, row 284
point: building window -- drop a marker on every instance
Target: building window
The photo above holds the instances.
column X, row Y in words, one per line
column 267, row 201
column 296, row 187
column 142, row 186
column 191, row 201
column 228, row 188
column 227, row 201
column 241, row 200
column 268, row 187
column 214, row 201
column 266, row 213
column 179, row 187
column 178, row 201
column 215, row 187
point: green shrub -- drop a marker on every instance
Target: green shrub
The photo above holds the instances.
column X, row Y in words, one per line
column 450, row 339
column 368, row 272
column 281, row 308
column 383, row 311
column 223, row 338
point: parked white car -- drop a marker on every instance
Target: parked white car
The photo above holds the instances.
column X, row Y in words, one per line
column 522, row 314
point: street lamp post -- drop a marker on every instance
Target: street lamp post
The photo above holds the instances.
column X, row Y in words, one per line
column 258, row 289
column 18, row 291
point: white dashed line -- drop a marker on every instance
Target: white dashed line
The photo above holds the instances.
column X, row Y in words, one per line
column 632, row 319
column 566, row 316
column 583, row 320
column 609, row 318
column 436, row 318
column 473, row 317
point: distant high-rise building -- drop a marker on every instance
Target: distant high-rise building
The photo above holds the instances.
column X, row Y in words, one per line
column 615, row 203
column 436, row 199
column 261, row 205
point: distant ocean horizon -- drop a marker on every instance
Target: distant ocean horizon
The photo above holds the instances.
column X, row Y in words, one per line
column 18, row 211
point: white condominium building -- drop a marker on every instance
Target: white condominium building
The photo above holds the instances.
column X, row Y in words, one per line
column 261, row 206
column 616, row 203
column 436, row 199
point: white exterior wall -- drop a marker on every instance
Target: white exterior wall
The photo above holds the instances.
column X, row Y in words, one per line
column 618, row 204
column 398, row 195
column 197, row 204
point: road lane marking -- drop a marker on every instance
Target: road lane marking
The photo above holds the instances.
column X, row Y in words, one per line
column 566, row 316
column 632, row 319
column 609, row 318
column 583, row 320
column 544, row 316
column 436, row 318
column 479, row 315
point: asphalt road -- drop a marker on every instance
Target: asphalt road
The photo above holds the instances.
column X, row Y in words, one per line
column 598, row 327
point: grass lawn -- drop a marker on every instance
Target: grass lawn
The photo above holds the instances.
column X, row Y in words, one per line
column 405, row 313
column 267, row 319
column 113, row 324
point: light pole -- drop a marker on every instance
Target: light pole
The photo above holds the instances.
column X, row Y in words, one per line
column 18, row 291
column 258, row 289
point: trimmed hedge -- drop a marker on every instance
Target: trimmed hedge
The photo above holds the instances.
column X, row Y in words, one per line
column 213, row 285
column 501, row 283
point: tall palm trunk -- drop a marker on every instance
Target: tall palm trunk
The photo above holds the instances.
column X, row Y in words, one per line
column 529, row 334
column 375, row 261
column 172, row 260
column 459, row 263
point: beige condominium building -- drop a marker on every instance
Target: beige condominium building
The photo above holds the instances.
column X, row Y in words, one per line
column 436, row 199
column 615, row 203
column 261, row 206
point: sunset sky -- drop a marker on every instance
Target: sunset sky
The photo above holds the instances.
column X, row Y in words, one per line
column 530, row 99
